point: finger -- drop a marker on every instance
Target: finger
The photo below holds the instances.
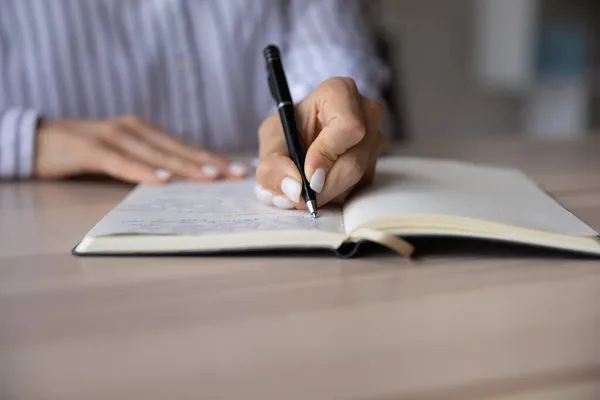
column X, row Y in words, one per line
column 193, row 154
column 344, row 125
column 345, row 174
column 278, row 175
column 110, row 161
column 357, row 165
column 266, row 197
column 134, row 146
column 271, row 138
column 338, row 138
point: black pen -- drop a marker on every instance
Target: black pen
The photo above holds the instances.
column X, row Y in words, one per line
column 283, row 99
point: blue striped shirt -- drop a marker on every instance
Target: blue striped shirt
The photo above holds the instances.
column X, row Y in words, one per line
column 192, row 67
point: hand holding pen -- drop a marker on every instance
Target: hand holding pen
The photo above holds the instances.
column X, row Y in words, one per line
column 337, row 129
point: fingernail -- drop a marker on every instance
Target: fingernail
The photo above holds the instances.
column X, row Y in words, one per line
column 210, row 170
column 163, row 174
column 318, row 180
column 282, row 202
column 255, row 162
column 263, row 195
column 237, row 169
column 291, row 188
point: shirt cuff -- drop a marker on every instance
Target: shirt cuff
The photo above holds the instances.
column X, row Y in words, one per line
column 17, row 136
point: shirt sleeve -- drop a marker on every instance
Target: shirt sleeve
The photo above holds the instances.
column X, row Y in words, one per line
column 17, row 136
column 331, row 38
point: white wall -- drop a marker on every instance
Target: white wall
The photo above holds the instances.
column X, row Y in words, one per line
column 437, row 70
column 437, row 57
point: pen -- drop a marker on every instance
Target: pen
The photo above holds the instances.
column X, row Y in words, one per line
column 283, row 99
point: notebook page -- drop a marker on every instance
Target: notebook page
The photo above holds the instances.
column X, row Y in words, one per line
column 190, row 208
column 405, row 185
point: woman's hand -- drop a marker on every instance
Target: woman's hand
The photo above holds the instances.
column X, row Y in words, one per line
column 125, row 148
column 340, row 130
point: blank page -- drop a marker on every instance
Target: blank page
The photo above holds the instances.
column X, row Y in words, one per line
column 405, row 186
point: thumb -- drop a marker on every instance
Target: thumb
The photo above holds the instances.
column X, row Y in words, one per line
column 333, row 141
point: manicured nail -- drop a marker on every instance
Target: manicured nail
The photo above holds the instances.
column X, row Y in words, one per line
column 237, row 169
column 263, row 195
column 210, row 170
column 291, row 188
column 255, row 162
column 282, row 202
column 163, row 174
column 318, row 180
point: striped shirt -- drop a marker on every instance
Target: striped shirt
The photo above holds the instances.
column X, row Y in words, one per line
column 192, row 67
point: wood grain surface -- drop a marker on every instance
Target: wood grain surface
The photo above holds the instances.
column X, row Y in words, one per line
column 459, row 323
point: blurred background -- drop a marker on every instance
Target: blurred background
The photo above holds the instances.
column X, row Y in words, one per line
column 508, row 67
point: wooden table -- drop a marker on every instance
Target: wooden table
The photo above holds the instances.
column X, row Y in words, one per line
column 454, row 326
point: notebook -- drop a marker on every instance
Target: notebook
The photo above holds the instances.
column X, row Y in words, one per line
column 408, row 198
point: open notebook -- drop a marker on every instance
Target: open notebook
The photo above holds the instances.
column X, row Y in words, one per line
column 409, row 197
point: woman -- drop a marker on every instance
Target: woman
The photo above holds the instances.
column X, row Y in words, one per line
column 145, row 90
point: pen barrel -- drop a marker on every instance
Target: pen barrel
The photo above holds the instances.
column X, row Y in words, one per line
column 292, row 136
column 295, row 146
column 281, row 94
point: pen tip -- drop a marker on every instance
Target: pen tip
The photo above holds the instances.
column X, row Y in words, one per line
column 312, row 208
